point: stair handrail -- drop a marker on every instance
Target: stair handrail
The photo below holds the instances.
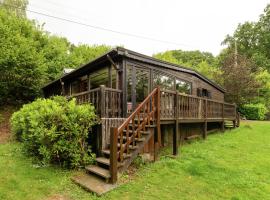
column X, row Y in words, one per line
column 151, row 111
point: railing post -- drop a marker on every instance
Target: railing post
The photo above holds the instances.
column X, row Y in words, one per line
column 158, row 116
column 113, row 155
column 234, row 121
column 157, row 141
column 175, row 134
column 102, row 101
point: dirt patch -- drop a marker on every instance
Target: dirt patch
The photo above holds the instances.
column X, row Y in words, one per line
column 58, row 197
column 5, row 133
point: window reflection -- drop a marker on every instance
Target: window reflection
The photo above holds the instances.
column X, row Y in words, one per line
column 164, row 81
column 183, row 86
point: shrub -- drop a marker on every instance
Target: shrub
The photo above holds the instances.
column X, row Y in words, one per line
column 55, row 131
column 254, row 111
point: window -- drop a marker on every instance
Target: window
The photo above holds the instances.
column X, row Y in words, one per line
column 164, row 81
column 129, row 83
column 142, row 84
column 183, row 86
column 99, row 77
column 202, row 92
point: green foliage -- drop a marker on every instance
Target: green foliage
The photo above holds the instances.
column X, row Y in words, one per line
column 253, row 40
column 203, row 62
column 55, row 131
column 254, row 111
column 16, row 7
column 83, row 53
column 21, row 64
column 31, row 57
column 239, row 80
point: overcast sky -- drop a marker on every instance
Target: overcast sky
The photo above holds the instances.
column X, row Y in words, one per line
column 190, row 24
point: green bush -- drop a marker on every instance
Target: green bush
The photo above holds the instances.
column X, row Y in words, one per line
column 55, row 131
column 254, row 111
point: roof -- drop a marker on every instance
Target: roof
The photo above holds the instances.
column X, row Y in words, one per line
column 122, row 52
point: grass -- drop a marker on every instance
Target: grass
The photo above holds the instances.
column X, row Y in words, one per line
column 234, row 165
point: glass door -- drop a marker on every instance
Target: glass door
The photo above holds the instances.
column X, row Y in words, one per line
column 138, row 86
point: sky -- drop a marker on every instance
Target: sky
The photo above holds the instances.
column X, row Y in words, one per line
column 179, row 24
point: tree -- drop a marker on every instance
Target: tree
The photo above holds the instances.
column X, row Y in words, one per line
column 83, row 53
column 17, row 7
column 21, row 65
column 253, row 40
column 239, row 81
column 203, row 62
column 30, row 57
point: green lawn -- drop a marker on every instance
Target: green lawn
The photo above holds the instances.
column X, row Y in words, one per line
column 234, row 165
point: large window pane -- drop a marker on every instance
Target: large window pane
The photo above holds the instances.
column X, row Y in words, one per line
column 142, row 84
column 183, row 86
column 164, row 81
column 99, row 77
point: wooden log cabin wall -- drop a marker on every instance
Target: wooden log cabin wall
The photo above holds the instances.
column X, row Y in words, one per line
column 118, row 81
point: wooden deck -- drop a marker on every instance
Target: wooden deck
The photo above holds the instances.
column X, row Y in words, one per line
column 142, row 127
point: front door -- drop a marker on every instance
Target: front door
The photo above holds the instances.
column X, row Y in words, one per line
column 138, row 86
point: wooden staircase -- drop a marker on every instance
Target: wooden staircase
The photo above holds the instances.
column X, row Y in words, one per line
column 126, row 142
column 233, row 124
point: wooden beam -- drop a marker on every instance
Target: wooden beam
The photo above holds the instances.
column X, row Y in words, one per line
column 113, row 154
column 176, row 128
column 205, row 120
column 111, row 61
column 158, row 117
column 124, row 87
column 102, row 101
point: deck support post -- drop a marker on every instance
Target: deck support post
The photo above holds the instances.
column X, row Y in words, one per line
column 235, row 113
column 223, row 122
column 113, row 155
column 205, row 120
column 176, row 128
column 175, row 138
column 157, row 139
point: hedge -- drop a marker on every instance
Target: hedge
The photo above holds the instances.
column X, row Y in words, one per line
column 254, row 111
column 56, row 131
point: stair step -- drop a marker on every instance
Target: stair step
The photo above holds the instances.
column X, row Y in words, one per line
column 130, row 147
column 99, row 171
column 107, row 152
column 147, row 126
column 136, row 139
column 106, row 161
column 143, row 132
column 93, row 183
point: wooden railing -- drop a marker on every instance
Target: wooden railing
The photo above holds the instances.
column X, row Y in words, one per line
column 107, row 101
column 124, row 137
column 188, row 107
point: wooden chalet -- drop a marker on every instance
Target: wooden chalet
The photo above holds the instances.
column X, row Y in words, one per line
column 144, row 104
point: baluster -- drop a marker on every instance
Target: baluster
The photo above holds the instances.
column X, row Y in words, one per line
column 127, row 136
column 121, row 146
